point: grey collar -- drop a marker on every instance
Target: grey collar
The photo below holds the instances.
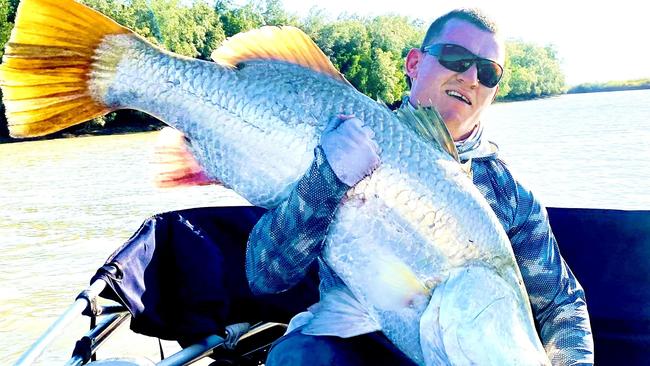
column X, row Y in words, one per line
column 475, row 146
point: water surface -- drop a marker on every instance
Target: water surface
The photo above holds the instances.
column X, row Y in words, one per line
column 579, row 150
column 65, row 206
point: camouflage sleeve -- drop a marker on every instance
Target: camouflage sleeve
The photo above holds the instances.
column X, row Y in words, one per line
column 557, row 298
column 288, row 238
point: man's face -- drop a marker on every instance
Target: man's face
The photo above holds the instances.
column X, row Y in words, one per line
column 435, row 85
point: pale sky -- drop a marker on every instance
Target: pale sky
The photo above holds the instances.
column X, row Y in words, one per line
column 596, row 40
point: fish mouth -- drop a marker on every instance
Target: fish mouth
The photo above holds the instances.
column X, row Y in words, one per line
column 458, row 95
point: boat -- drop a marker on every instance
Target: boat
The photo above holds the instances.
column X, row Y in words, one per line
column 181, row 277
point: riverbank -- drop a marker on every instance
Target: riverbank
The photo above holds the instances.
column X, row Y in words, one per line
column 90, row 129
column 607, row 89
column 638, row 84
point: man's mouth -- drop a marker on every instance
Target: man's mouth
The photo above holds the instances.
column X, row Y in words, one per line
column 459, row 96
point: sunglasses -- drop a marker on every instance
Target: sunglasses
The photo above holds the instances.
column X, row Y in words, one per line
column 460, row 59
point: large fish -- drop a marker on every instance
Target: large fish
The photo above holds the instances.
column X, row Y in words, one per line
column 416, row 243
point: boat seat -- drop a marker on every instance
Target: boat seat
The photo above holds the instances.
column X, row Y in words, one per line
column 182, row 277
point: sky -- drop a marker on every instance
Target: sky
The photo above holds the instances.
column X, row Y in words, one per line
column 596, row 40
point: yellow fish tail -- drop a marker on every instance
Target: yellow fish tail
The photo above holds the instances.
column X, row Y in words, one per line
column 48, row 63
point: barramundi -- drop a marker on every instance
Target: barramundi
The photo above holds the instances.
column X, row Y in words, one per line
column 419, row 248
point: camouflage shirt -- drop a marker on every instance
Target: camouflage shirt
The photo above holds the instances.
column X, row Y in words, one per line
column 287, row 240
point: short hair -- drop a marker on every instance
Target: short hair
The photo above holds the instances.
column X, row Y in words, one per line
column 470, row 15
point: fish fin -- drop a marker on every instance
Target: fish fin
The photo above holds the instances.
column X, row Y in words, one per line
column 285, row 43
column 46, row 66
column 340, row 314
column 395, row 284
column 174, row 165
column 427, row 123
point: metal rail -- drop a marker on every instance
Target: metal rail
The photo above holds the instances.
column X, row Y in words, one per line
column 72, row 313
column 88, row 344
column 201, row 349
column 193, row 352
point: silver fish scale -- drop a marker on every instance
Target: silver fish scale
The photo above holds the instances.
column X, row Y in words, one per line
column 401, row 231
column 417, row 208
column 241, row 133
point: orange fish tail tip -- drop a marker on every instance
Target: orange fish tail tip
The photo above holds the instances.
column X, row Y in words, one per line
column 48, row 63
column 173, row 164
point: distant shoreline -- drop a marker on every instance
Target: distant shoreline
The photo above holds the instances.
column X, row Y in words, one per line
column 622, row 85
column 87, row 130
column 607, row 89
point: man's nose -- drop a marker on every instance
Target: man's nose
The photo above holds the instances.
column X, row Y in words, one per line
column 469, row 76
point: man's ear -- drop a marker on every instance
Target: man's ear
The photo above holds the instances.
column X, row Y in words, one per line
column 413, row 59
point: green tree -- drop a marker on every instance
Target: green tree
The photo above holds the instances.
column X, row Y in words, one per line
column 315, row 21
column 275, row 14
column 385, row 80
column 397, row 34
column 193, row 30
column 347, row 43
column 238, row 19
column 7, row 13
column 208, row 31
column 111, row 8
column 164, row 22
column 391, row 39
column 12, row 6
column 504, row 84
column 531, row 71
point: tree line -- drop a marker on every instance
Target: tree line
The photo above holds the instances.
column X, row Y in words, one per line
column 636, row 84
column 369, row 51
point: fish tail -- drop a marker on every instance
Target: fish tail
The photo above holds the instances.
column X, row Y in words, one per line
column 49, row 65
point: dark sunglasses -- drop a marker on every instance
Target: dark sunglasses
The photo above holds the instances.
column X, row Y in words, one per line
column 460, row 59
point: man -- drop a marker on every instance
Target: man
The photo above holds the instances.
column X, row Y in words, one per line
column 456, row 70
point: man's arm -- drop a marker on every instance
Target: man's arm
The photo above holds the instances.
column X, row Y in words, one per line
column 287, row 239
column 557, row 298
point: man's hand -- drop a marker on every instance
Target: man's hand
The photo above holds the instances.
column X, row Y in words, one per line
column 350, row 149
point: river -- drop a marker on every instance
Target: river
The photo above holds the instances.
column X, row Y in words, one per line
column 66, row 204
